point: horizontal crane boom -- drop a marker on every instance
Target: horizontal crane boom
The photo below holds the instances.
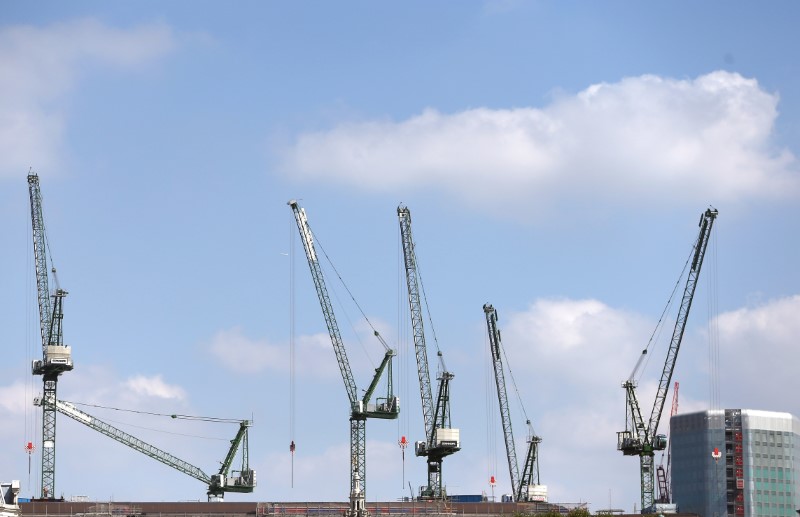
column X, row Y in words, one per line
column 217, row 484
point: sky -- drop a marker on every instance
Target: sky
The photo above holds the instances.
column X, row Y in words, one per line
column 555, row 156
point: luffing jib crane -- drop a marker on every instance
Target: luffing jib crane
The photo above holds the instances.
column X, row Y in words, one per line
column 441, row 439
column 640, row 438
column 56, row 357
column 525, row 487
column 217, row 484
column 360, row 408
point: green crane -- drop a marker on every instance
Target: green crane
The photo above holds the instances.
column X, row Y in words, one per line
column 217, row 484
column 441, row 439
column 640, row 438
column 56, row 357
column 524, row 487
column 360, row 408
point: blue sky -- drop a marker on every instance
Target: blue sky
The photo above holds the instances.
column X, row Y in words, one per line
column 555, row 156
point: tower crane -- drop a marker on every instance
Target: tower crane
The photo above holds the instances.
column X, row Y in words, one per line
column 56, row 356
column 441, row 439
column 360, row 409
column 217, row 484
column 525, row 487
column 640, row 438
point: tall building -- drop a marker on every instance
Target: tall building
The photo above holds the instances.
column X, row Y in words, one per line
column 736, row 462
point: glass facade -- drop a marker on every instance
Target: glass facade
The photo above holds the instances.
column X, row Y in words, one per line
column 735, row 462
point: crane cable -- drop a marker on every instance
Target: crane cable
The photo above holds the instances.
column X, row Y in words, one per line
column 644, row 357
column 491, row 410
column 425, row 299
column 403, row 325
column 516, row 389
column 319, row 245
column 292, row 445
column 713, row 327
column 30, row 415
column 174, row 416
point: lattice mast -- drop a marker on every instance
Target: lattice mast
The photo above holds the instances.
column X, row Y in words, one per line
column 640, row 438
column 441, row 439
column 56, row 357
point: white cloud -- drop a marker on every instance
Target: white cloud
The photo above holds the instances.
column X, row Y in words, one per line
column 15, row 399
column 40, row 67
column 154, row 387
column 641, row 139
column 759, row 345
column 582, row 340
column 569, row 358
column 240, row 353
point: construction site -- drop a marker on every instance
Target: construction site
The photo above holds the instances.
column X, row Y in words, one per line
column 378, row 400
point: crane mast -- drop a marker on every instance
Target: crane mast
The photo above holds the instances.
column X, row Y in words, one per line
column 522, row 487
column 440, row 439
column 360, row 409
column 217, row 484
column 640, row 438
column 56, row 357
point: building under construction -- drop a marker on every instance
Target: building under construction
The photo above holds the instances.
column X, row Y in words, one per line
column 738, row 462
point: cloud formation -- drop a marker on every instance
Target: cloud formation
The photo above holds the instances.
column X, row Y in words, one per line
column 569, row 358
column 640, row 139
column 242, row 354
column 154, row 387
column 760, row 344
column 41, row 65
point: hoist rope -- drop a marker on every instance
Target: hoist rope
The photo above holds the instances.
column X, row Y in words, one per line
column 341, row 280
column 292, row 445
column 30, row 414
column 403, row 341
column 491, row 410
column 713, row 326
column 654, row 337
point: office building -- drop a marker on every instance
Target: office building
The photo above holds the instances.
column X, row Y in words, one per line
column 736, row 462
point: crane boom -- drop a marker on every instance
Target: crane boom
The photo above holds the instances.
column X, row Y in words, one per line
column 40, row 259
column 502, row 395
column 325, row 302
column 640, row 438
column 706, row 223
column 217, row 484
column 417, row 325
column 56, row 357
column 440, row 439
column 360, row 409
column 522, row 486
